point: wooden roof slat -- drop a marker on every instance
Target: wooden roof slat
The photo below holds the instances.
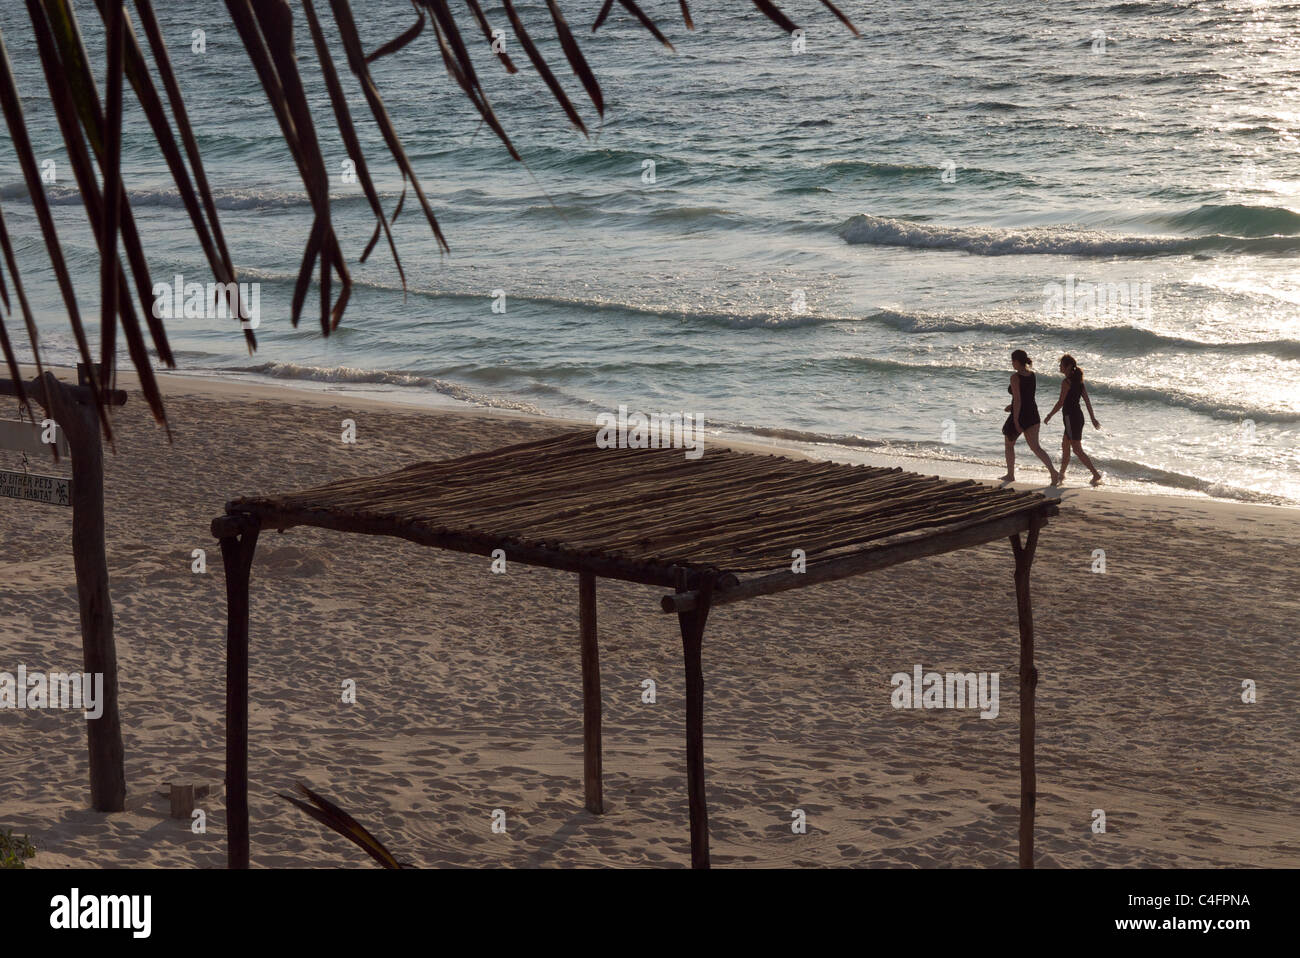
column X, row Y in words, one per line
column 473, row 508
column 882, row 525
column 799, row 533
column 572, row 533
column 640, row 513
column 707, row 497
column 769, row 519
column 483, row 492
column 579, row 493
column 815, row 550
column 647, row 537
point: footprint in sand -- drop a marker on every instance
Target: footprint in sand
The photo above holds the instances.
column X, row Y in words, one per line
column 292, row 562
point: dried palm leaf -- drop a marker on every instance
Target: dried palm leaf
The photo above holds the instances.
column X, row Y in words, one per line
column 92, row 134
column 333, row 817
column 13, row 112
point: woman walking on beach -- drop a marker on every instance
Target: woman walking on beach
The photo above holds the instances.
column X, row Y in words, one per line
column 1024, row 418
column 1072, row 390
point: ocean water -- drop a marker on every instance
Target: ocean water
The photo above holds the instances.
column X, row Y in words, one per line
column 840, row 247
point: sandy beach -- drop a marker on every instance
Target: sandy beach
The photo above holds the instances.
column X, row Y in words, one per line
column 469, row 691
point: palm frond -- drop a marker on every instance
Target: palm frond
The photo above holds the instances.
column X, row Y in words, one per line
column 455, row 58
column 838, row 14
column 773, row 13
column 14, row 119
column 539, row 64
column 477, row 11
column 399, row 41
column 11, row 361
column 83, row 125
column 631, row 7
column 576, row 60
column 334, row 818
column 347, row 28
column 92, row 133
column 111, row 164
column 343, row 117
column 208, row 230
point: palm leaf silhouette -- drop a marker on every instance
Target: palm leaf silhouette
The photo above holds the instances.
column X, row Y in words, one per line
column 333, row 817
column 91, row 128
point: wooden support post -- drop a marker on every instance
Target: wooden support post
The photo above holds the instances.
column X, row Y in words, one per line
column 238, row 535
column 80, row 425
column 1028, row 683
column 692, row 626
column 182, row 799
column 591, row 752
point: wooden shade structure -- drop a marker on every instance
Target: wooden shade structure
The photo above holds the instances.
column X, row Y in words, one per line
column 715, row 529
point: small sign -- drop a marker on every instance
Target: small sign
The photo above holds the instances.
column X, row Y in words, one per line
column 26, row 437
column 55, row 490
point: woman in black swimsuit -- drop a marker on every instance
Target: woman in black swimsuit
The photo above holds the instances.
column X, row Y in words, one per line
column 1024, row 416
column 1072, row 390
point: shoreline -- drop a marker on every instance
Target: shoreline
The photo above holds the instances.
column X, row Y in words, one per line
column 752, row 441
column 396, row 399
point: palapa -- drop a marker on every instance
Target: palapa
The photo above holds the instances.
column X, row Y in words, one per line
column 720, row 528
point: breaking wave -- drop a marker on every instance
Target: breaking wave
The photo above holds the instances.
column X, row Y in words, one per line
column 1121, row 338
column 865, row 229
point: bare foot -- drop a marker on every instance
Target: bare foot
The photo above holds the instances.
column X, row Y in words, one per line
column 1007, row 478
column 1096, row 478
column 1056, row 478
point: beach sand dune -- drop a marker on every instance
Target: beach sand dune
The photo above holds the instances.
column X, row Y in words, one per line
column 469, row 692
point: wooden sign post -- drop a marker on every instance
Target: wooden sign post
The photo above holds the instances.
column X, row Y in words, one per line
column 73, row 408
